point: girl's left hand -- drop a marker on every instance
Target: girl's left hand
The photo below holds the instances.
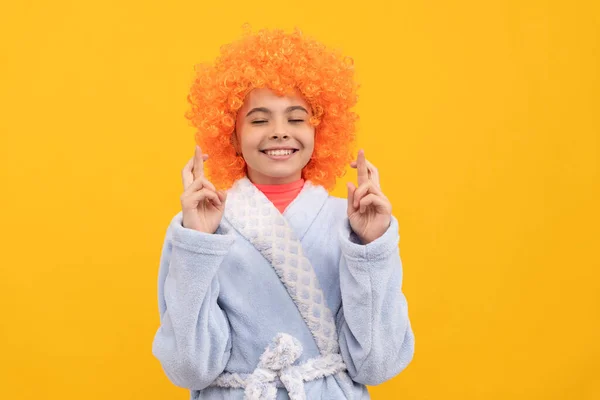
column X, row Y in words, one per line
column 369, row 211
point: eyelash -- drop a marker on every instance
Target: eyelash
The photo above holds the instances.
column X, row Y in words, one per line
column 259, row 122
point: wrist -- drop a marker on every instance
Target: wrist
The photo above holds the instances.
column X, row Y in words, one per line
column 366, row 239
column 197, row 228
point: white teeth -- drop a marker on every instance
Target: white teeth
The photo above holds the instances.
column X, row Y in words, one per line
column 279, row 152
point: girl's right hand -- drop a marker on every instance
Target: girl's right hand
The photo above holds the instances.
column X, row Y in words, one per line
column 202, row 205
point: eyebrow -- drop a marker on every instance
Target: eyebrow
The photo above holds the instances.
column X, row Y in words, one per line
column 266, row 110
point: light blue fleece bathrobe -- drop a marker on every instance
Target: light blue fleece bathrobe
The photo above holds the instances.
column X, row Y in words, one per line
column 276, row 306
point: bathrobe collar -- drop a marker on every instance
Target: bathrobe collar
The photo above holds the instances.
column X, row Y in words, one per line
column 277, row 237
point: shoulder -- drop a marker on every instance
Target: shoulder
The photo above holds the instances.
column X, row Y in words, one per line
column 337, row 204
column 331, row 208
column 334, row 210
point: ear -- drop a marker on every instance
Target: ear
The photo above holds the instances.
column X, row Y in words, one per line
column 235, row 142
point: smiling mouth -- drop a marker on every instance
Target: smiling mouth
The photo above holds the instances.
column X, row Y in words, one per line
column 280, row 152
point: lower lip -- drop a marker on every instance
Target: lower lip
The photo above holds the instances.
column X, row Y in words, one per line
column 280, row 158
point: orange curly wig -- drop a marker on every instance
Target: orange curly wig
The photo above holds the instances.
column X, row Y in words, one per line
column 283, row 63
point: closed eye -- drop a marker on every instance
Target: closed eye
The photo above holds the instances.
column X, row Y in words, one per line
column 262, row 121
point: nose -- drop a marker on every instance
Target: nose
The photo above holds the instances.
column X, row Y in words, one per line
column 276, row 136
column 279, row 130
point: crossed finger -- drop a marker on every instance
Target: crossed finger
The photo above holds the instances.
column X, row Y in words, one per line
column 361, row 164
column 366, row 189
column 194, row 168
column 200, row 183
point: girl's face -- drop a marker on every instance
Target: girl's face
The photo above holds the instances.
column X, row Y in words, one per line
column 274, row 136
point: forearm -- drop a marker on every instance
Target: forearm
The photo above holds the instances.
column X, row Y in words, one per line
column 375, row 335
column 193, row 342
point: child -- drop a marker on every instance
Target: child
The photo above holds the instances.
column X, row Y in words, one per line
column 270, row 288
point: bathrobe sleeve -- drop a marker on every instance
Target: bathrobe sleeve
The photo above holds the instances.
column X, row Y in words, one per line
column 193, row 342
column 374, row 330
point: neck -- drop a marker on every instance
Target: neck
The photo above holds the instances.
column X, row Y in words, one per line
column 260, row 179
column 281, row 195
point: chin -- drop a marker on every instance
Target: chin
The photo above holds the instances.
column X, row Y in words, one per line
column 279, row 172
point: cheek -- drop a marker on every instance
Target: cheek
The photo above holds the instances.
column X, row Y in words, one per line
column 309, row 139
column 250, row 141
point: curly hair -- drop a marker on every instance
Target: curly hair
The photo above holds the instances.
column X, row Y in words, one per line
column 282, row 62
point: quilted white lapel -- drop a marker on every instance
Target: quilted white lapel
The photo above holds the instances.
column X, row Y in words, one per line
column 258, row 220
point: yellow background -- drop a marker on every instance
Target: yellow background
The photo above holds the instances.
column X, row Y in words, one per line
column 481, row 116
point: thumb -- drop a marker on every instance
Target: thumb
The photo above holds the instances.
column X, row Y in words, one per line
column 222, row 195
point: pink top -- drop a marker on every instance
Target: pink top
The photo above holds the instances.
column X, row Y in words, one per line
column 281, row 195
